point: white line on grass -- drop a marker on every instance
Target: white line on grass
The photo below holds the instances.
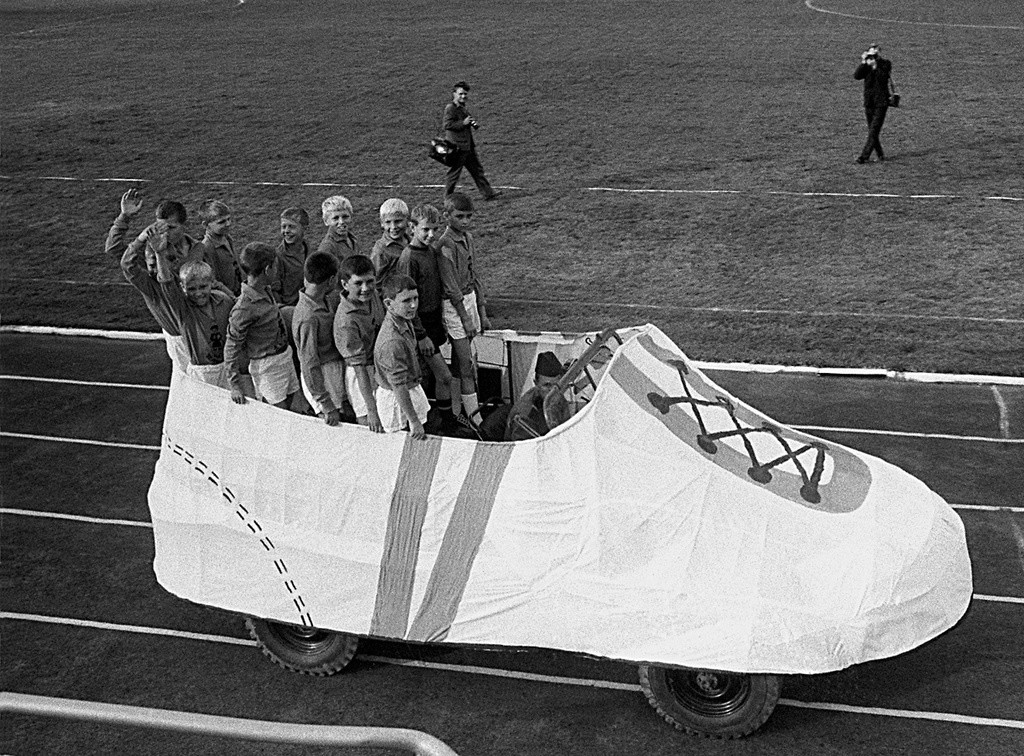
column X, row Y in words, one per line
column 813, row 7
column 85, row 441
column 526, row 676
column 609, row 189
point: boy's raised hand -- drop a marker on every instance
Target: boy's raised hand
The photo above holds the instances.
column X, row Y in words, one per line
column 131, row 203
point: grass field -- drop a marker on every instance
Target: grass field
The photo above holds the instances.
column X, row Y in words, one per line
column 747, row 97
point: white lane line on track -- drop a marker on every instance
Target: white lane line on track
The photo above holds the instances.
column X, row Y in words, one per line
column 73, row 517
column 142, row 524
column 1018, row 537
column 49, row 619
column 102, row 384
column 85, row 441
column 516, row 675
column 146, row 524
column 998, row 599
column 805, row 428
column 609, row 189
column 732, row 367
column 1004, row 412
column 813, row 7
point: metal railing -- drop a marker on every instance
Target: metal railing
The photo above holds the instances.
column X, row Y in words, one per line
column 419, row 743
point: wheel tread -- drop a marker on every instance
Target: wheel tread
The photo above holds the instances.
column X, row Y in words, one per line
column 772, row 693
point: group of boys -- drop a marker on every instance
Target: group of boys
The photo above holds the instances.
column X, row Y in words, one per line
column 349, row 330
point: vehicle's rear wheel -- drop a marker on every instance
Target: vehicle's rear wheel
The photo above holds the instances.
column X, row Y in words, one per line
column 306, row 650
column 709, row 703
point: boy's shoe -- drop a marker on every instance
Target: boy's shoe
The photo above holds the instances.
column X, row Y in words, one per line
column 492, row 196
column 465, row 422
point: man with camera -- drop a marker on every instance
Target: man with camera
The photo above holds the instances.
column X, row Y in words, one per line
column 459, row 126
column 876, row 72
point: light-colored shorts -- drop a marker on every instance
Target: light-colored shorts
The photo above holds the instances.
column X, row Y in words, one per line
column 355, row 396
column 177, row 350
column 391, row 415
column 452, row 321
column 334, row 382
column 274, row 376
column 215, row 375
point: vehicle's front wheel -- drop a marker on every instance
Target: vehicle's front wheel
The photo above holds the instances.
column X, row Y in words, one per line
column 709, row 703
column 306, row 650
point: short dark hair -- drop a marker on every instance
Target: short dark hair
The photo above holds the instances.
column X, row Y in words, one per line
column 356, row 265
column 319, row 266
column 256, row 257
column 458, row 201
column 296, row 215
column 428, row 213
column 460, row 85
column 171, row 209
column 397, row 283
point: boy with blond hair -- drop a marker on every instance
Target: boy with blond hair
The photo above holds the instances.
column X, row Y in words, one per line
column 394, row 219
column 359, row 317
column 257, row 329
column 463, row 309
column 321, row 369
column 286, row 275
column 401, row 401
column 419, row 262
column 219, row 249
column 201, row 313
column 339, row 241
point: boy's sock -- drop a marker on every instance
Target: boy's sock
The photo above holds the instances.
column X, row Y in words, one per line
column 471, row 406
column 453, row 390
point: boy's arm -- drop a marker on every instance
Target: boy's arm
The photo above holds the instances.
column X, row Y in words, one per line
column 305, row 332
column 234, row 349
column 133, row 264
column 131, row 203
column 405, row 402
column 366, row 388
column 448, row 271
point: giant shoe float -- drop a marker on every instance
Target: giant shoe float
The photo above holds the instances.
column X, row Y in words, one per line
column 666, row 523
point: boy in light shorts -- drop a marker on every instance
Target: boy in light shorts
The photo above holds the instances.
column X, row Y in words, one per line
column 198, row 311
column 359, row 317
column 401, row 401
column 321, row 370
column 463, row 309
column 257, row 329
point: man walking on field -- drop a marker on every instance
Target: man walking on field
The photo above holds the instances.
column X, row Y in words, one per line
column 876, row 72
column 459, row 126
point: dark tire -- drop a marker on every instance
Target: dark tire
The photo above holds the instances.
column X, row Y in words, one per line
column 708, row 703
column 306, row 650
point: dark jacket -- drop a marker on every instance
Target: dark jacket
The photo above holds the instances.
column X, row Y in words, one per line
column 454, row 128
column 876, row 81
